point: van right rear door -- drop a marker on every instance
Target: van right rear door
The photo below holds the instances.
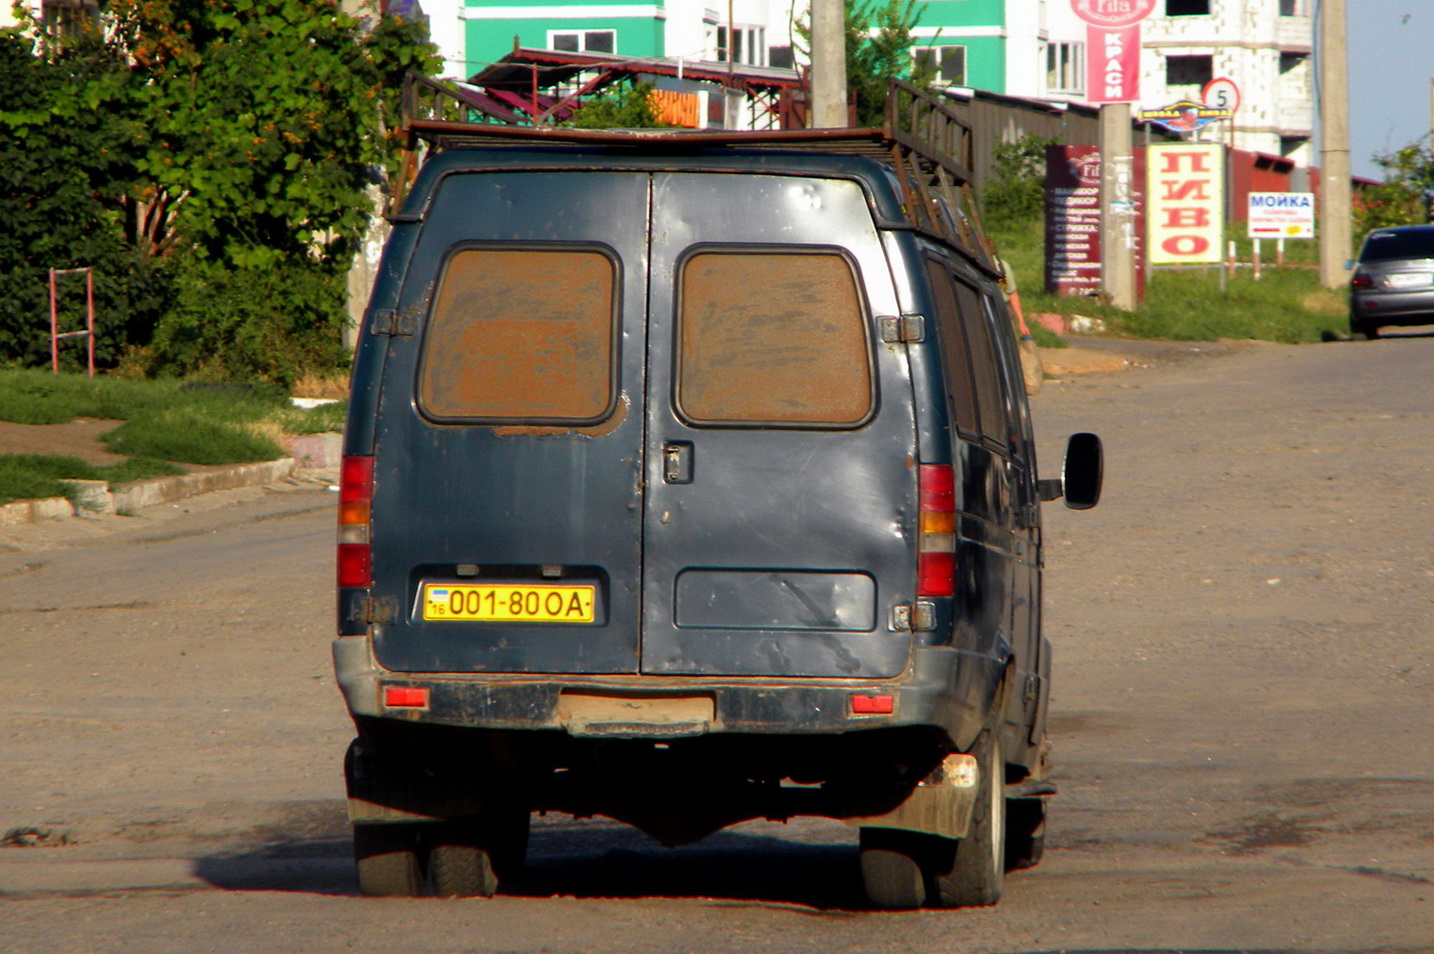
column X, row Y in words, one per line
column 780, row 513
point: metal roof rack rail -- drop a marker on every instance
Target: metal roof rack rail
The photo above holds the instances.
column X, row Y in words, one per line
column 928, row 145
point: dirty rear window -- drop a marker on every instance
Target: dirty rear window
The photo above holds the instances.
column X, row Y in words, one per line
column 772, row 337
column 522, row 335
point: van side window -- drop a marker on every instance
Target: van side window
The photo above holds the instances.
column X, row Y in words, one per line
column 990, row 403
column 952, row 337
column 772, row 337
column 1017, row 420
column 522, row 335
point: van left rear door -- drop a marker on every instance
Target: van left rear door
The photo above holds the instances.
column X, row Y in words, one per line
column 507, row 514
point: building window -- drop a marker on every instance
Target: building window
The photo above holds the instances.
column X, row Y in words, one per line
column 946, row 63
column 1189, row 70
column 583, row 41
column 1187, row 8
column 749, row 45
column 1291, row 61
column 1065, row 68
column 1294, row 8
column 781, row 57
column 68, row 19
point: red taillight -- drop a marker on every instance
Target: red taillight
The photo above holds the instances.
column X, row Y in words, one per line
column 355, row 511
column 1361, row 280
column 873, row 705
column 936, row 538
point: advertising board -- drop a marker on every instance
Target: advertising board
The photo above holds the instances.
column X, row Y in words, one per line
column 1281, row 215
column 1073, row 220
column 1185, row 195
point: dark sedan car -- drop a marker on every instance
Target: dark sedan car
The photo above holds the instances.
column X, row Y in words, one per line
column 1393, row 281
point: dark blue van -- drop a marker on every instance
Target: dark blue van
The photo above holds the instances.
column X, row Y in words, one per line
column 689, row 479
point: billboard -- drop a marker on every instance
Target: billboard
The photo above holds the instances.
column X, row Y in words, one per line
column 1073, row 219
column 1185, row 203
column 1277, row 215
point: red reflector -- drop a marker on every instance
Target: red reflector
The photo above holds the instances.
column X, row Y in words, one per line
column 872, row 705
column 1361, row 280
column 936, row 574
column 355, row 564
column 405, row 697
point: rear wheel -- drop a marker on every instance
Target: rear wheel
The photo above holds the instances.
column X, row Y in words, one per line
column 893, row 867
column 1365, row 330
column 976, row 872
column 470, row 857
column 389, row 860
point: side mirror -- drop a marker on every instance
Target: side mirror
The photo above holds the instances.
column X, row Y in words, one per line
column 1348, row 264
column 1081, row 476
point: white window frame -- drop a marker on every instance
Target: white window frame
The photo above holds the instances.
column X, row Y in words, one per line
column 582, row 37
column 751, row 43
column 939, row 52
column 1065, row 67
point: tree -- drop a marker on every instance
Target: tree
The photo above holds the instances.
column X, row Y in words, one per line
column 246, row 134
column 1406, row 195
column 69, row 141
column 872, row 59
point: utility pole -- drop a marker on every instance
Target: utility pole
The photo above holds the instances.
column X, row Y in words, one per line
column 1334, row 197
column 1117, row 206
column 828, row 107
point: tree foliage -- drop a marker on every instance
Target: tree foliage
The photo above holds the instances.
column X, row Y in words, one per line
column 878, row 49
column 1406, row 195
column 226, row 152
column 68, row 145
column 626, row 106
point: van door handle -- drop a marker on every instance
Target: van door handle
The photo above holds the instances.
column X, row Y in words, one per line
column 677, row 462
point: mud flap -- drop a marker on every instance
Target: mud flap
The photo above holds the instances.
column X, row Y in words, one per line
column 940, row 804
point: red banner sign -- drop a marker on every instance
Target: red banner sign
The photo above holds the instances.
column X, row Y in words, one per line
column 1112, row 64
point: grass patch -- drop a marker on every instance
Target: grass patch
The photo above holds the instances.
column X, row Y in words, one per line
column 193, row 422
column 1287, row 304
column 34, row 476
column 182, row 434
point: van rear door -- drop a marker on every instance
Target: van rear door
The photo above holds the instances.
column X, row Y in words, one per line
column 780, row 511
column 507, row 516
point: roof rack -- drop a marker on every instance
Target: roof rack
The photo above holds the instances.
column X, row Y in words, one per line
column 928, row 145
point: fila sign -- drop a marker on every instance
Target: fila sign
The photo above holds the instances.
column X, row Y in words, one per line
column 1112, row 47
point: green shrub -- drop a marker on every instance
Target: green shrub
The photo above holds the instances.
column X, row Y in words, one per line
column 1016, row 192
column 270, row 323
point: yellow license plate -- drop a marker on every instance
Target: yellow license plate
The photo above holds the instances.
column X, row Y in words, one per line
column 501, row 603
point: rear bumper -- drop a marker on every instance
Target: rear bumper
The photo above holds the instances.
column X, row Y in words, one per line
column 942, row 688
column 1393, row 308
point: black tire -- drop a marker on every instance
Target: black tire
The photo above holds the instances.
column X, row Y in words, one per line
column 470, row 857
column 390, row 860
column 1025, row 832
column 976, row 873
column 893, row 867
column 1364, row 330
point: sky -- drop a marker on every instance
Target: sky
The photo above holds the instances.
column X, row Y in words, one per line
column 1391, row 64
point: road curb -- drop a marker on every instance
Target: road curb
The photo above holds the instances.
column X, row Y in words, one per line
column 96, row 497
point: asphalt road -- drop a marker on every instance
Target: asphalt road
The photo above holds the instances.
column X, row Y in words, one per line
column 1243, row 714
